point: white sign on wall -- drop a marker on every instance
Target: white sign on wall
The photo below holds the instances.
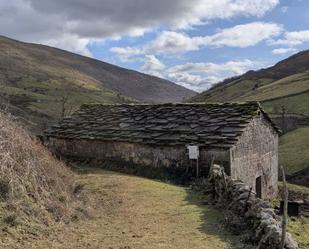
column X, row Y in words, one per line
column 193, row 151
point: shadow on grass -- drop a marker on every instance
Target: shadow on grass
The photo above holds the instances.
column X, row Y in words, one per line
column 170, row 175
column 212, row 219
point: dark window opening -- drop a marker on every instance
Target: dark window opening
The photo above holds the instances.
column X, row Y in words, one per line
column 258, row 187
column 294, row 208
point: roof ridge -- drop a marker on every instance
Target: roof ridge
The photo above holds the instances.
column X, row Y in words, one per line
column 257, row 103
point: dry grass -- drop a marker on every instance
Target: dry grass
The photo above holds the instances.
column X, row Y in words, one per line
column 137, row 213
column 35, row 188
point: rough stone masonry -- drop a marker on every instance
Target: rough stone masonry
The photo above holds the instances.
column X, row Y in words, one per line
column 240, row 136
column 258, row 214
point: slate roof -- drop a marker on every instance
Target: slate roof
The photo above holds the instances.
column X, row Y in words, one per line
column 212, row 125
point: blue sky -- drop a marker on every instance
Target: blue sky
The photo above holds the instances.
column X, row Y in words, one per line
column 192, row 43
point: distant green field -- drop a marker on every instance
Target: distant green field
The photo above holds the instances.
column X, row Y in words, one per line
column 294, row 104
column 293, row 84
column 294, row 149
column 290, row 92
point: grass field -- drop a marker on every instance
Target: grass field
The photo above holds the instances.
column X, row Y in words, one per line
column 294, row 149
column 136, row 213
column 291, row 92
column 299, row 227
column 294, row 104
column 293, row 84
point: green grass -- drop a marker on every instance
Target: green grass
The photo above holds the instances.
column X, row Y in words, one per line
column 293, row 84
column 299, row 228
column 295, row 104
column 302, row 190
column 293, row 149
column 268, row 89
column 231, row 92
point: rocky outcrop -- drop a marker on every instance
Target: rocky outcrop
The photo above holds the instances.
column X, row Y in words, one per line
column 256, row 213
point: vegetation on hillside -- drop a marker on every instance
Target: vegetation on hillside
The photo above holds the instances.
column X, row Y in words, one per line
column 284, row 84
column 35, row 80
column 290, row 76
column 36, row 190
column 298, row 104
column 293, row 149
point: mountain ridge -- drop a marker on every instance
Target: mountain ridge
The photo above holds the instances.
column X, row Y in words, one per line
column 112, row 70
column 40, row 81
column 275, row 86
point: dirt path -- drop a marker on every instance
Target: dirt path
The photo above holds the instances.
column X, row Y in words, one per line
column 136, row 213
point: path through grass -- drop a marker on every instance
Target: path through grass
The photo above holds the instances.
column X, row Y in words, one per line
column 136, row 213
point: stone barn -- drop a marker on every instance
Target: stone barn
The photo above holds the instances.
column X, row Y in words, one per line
column 239, row 136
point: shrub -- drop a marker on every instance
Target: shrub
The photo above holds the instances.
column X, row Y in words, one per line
column 31, row 177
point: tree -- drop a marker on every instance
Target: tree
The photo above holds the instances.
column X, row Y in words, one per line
column 66, row 106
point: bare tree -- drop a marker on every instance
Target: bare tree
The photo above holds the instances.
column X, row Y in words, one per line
column 67, row 106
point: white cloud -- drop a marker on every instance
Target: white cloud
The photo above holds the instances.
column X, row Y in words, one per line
column 71, row 43
column 152, row 65
column 283, row 50
column 233, row 67
column 46, row 21
column 174, row 42
column 245, row 35
column 193, row 81
column 126, row 53
column 171, row 42
column 200, row 76
column 293, row 38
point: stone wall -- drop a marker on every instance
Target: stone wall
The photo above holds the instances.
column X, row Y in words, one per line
column 259, row 215
column 255, row 155
column 141, row 154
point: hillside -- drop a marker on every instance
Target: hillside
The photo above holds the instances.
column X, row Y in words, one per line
column 36, row 81
column 286, row 83
column 294, row 147
column 36, row 190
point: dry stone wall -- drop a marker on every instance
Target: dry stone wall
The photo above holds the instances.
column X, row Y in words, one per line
column 258, row 214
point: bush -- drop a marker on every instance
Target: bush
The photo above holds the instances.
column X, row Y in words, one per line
column 32, row 178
